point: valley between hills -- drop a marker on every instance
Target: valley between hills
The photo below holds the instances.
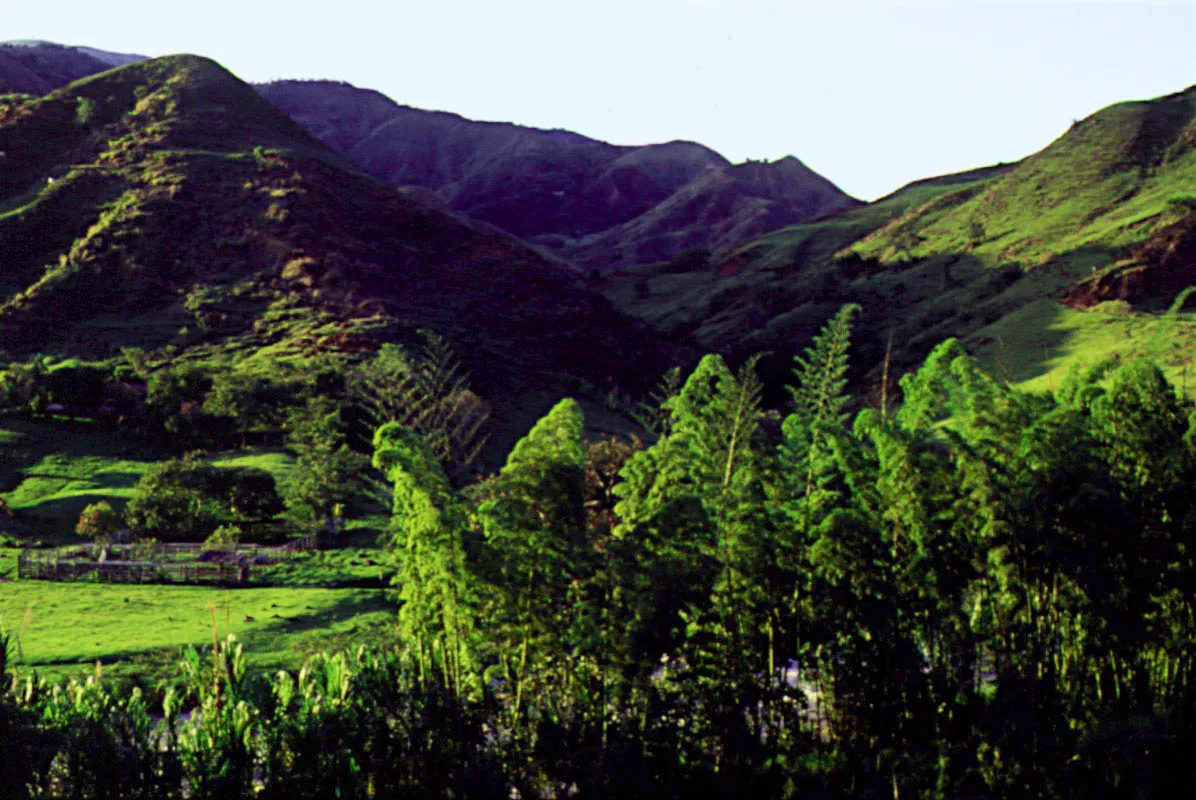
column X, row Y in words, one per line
column 532, row 392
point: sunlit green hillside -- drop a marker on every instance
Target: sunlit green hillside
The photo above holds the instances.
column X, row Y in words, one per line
column 1021, row 261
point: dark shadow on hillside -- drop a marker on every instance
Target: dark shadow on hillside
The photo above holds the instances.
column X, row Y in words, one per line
column 96, row 485
column 1021, row 352
column 299, row 627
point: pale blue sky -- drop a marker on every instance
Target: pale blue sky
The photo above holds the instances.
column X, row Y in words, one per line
column 870, row 94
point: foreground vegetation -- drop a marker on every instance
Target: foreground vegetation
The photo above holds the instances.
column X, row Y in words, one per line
column 967, row 591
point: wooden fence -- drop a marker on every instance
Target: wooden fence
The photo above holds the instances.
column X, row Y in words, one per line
column 133, row 571
column 83, row 562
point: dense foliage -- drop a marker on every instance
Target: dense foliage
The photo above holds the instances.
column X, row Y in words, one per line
column 98, row 522
column 327, row 471
column 187, row 499
column 973, row 591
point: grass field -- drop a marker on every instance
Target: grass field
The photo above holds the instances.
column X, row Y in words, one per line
column 64, row 628
column 50, row 470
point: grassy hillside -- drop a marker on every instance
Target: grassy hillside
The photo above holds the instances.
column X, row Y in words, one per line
column 1065, row 257
column 1108, row 183
column 1101, row 215
column 167, row 205
column 773, row 293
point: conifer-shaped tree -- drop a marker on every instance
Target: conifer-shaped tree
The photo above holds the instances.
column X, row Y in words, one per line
column 678, row 498
column 425, row 389
column 533, row 517
column 819, row 403
column 436, row 589
column 693, row 508
column 806, row 493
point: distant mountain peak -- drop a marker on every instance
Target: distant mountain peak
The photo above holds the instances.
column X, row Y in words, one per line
column 583, row 197
column 34, row 66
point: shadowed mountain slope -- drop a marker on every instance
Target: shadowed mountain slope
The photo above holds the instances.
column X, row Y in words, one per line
column 592, row 201
column 35, row 67
column 715, row 211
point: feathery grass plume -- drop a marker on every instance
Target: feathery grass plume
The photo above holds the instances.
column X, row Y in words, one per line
column 427, row 391
column 26, row 620
column 652, row 413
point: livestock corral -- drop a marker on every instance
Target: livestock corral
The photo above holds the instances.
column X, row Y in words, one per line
column 234, row 565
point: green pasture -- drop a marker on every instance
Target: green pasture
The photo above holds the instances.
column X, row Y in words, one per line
column 64, row 628
column 50, row 470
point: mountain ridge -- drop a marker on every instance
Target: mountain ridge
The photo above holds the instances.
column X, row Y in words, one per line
column 552, row 187
column 557, row 189
column 1017, row 259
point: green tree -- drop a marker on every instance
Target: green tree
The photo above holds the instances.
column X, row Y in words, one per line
column 818, row 416
column 328, row 474
column 24, row 386
column 693, row 525
column 76, row 385
column 98, row 522
column 249, row 399
column 534, row 522
column 438, row 612
column 664, row 525
column 186, row 498
column 175, row 395
column 251, row 493
column 426, row 390
column 226, row 537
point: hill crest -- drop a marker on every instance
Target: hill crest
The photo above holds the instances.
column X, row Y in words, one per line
column 555, row 188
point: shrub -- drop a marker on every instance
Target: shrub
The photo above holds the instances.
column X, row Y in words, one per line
column 75, row 385
column 1117, row 308
column 98, row 522
column 1007, row 276
column 175, row 395
column 226, row 537
column 85, row 110
column 251, row 492
column 187, row 499
column 1183, row 202
column 691, row 260
column 146, row 549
